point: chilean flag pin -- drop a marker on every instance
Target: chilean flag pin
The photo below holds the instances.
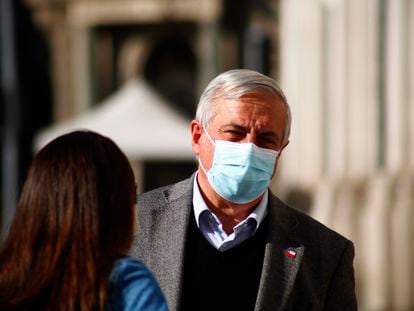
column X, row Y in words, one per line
column 290, row 253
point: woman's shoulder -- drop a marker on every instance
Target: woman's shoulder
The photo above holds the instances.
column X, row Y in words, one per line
column 133, row 287
column 127, row 265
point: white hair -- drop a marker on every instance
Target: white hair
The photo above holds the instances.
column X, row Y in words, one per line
column 233, row 84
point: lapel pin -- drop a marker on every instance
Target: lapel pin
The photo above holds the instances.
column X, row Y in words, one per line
column 290, row 253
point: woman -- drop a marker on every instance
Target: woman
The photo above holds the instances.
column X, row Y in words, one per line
column 74, row 224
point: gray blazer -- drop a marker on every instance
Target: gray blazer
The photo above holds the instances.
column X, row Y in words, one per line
column 317, row 274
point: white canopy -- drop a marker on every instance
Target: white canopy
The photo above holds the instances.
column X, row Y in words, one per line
column 137, row 119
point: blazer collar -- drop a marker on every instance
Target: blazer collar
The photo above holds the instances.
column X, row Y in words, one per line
column 171, row 229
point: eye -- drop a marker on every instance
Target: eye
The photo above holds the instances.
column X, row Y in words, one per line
column 268, row 141
column 234, row 134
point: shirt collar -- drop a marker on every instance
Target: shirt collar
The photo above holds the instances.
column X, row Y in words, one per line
column 200, row 206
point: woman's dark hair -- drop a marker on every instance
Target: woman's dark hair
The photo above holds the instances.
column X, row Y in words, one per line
column 75, row 218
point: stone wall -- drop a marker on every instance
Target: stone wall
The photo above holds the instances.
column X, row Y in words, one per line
column 347, row 69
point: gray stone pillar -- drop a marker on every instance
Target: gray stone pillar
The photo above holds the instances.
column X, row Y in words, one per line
column 301, row 79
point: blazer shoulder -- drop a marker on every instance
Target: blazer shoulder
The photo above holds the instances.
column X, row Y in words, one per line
column 307, row 229
column 168, row 193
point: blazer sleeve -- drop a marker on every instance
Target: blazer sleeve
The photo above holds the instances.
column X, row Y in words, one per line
column 341, row 292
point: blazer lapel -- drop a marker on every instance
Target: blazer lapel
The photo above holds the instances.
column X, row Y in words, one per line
column 282, row 259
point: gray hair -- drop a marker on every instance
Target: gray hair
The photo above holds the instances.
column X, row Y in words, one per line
column 233, row 84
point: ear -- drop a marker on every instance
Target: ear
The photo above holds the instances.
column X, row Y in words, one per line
column 279, row 156
column 283, row 147
column 196, row 131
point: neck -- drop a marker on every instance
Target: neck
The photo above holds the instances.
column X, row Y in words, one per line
column 230, row 217
column 230, row 214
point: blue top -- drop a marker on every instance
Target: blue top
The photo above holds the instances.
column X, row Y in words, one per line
column 132, row 287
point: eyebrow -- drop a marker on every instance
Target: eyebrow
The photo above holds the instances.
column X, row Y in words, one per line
column 243, row 128
column 233, row 125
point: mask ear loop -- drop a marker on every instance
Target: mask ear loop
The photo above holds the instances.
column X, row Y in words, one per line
column 213, row 142
column 208, row 135
column 202, row 166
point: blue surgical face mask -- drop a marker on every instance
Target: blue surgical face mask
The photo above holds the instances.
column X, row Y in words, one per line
column 240, row 172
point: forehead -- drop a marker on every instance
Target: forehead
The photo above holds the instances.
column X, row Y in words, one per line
column 262, row 106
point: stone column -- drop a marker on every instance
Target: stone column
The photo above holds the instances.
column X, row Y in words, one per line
column 358, row 82
column 60, row 65
column 80, row 71
column 334, row 83
column 399, row 156
column 301, row 79
column 374, row 247
column 52, row 19
column 410, row 80
column 206, row 49
column 402, row 214
column 396, row 105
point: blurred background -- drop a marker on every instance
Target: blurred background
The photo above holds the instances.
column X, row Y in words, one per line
column 133, row 70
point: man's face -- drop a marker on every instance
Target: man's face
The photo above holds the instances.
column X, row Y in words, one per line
column 258, row 118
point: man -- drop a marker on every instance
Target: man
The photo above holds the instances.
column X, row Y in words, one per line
column 221, row 240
